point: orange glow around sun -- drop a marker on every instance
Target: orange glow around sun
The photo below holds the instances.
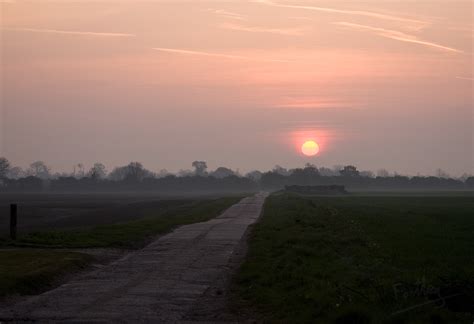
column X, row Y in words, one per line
column 309, row 142
column 310, row 148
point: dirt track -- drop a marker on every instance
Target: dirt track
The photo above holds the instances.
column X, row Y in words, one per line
column 161, row 283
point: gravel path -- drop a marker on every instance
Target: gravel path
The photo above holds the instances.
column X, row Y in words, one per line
column 159, row 284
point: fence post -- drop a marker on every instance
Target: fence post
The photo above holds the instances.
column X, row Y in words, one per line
column 13, row 220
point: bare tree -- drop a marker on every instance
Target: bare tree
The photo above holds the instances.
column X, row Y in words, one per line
column 254, row 175
column 97, row 172
column 118, row 173
column 200, row 168
column 281, row 170
column 15, row 173
column 133, row 172
column 80, row 171
column 4, row 167
column 222, row 172
column 349, row 171
column 40, row 170
column 136, row 172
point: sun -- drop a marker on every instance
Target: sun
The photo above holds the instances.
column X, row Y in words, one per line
column 310, row 148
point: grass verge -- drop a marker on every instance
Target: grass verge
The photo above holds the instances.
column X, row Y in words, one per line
column 30, row 271
column 361, row 260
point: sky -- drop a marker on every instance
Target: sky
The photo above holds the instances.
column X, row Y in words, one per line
column 242, row 84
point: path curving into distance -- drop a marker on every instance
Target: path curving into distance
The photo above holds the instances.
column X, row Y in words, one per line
column 160, row 283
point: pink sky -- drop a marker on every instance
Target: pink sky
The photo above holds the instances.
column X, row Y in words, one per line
column 378, row 84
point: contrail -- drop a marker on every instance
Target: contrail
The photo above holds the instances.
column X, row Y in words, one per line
column 347, row 12
column 397, row 35
column 281, row 31
column 211, row 54
column 228, row 14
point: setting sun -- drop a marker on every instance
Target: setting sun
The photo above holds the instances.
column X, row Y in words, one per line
column 310, row 148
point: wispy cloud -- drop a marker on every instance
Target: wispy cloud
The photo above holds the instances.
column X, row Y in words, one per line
column 397, row 35
column 212, row 54
column 312, row 103
column 465, row 78
column 69, row 32
column 253, row 29
column 299, row 18
column 228, row 14
column 363, row 13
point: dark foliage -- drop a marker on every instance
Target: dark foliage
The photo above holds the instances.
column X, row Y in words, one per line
column 134, row 177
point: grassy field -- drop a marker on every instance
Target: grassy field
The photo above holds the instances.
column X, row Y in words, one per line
column 361, row 259
column 30, row 271
column 150, row 220
column 47, row 211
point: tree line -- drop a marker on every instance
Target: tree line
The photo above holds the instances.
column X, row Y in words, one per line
column 134, row 176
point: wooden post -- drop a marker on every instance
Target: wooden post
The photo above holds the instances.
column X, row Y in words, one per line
column 13, row 220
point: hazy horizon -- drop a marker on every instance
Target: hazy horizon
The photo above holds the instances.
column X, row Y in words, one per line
column 241, row 84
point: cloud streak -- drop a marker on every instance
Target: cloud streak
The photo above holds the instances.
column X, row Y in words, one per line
column 281, row 31
column 309, row 105
column 397, row 35
column 211, row 54
column 313, row 103
column 70, row 32
column 362, row 13
column 228, row 14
